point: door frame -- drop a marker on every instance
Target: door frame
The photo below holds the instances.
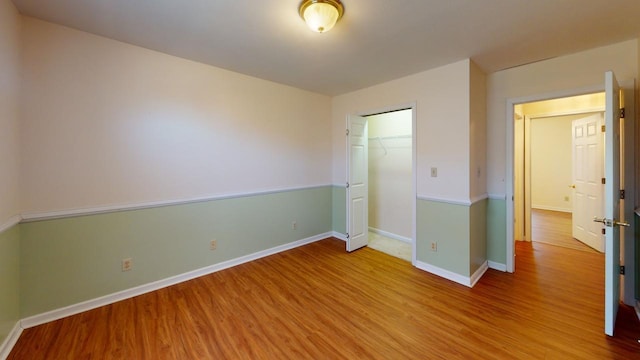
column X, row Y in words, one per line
column 510, row 157
column 526, row 194
column 414, row 179
column 628, row 251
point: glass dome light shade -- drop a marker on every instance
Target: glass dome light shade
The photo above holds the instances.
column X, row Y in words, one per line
column 321, row 15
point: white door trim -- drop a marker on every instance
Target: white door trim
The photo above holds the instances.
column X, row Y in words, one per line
column 526, row 198
column 406, row 106
column 509, row 166
column 629, row 248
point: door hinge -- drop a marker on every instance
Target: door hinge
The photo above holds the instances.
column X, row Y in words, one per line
column 347, row 235
column 604, row 181
column 622, row 113
column 603, row 128
column 347, row 185
column 347, row 132
column 622, row 194
column 604, row 231
column 621, row 269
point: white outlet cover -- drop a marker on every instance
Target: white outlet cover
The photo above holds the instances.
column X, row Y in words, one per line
column 127, row 264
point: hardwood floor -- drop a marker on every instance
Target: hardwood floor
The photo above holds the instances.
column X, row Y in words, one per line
column 555, row 228
column 319, row 302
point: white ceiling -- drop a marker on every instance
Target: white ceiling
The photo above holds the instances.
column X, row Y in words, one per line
column 376, row 40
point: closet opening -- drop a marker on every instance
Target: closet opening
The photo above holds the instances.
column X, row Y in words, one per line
column 390, row 190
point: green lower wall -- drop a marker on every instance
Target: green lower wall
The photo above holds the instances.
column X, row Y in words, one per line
column 478, row 235
column 339, row 213
column 9, row 280
column 46, row 265
column 461, row 231
column 67, row 261
column 449, row 226
column 497, row 231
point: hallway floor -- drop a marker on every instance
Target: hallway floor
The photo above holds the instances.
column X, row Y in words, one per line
column 554, row 228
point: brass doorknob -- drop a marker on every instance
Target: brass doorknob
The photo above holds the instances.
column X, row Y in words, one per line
column 573, row 186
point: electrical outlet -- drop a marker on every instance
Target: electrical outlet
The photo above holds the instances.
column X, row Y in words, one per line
column 434, row 172
column 127, row 264
column 294, row 225
column 213, row 244
column 434, row 246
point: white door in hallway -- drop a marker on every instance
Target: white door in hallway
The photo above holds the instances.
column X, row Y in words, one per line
column 588, row 158
column 357, row 183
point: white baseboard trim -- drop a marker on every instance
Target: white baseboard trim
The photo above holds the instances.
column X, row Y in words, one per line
column 14, row 220
column 477, row 275
column 156, row 285
column 390, row 235
column 11, row 340
column 551, row 208
column 449, row 275
column 339, row 236
column 497, row 266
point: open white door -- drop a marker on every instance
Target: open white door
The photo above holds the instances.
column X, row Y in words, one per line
column 588, row 158
column 357, row 183
column 612, row 203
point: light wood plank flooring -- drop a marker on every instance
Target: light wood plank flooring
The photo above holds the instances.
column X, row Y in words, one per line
column 393, row 247
column 555, row 228
column 320, row 302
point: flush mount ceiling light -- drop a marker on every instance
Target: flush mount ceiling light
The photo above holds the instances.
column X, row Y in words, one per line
column 321, row 15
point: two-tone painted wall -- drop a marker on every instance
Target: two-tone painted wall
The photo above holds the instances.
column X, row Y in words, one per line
column 112, row 151
column 10, row 32
column 450, row 106
column 123, row 152
column 72, row 260
column 117, row 127
column 574, row 74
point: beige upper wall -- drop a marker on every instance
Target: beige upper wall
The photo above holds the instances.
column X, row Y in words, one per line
column 478, row 133
column 10, row 27
column 107, row 123
column 552, row 162
column 442, row 134
column 577, row 71
column 551, row 149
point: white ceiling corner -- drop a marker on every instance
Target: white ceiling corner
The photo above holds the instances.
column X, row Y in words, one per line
column 375, row 41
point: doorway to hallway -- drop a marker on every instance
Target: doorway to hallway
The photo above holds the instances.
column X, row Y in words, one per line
column 557, row 174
